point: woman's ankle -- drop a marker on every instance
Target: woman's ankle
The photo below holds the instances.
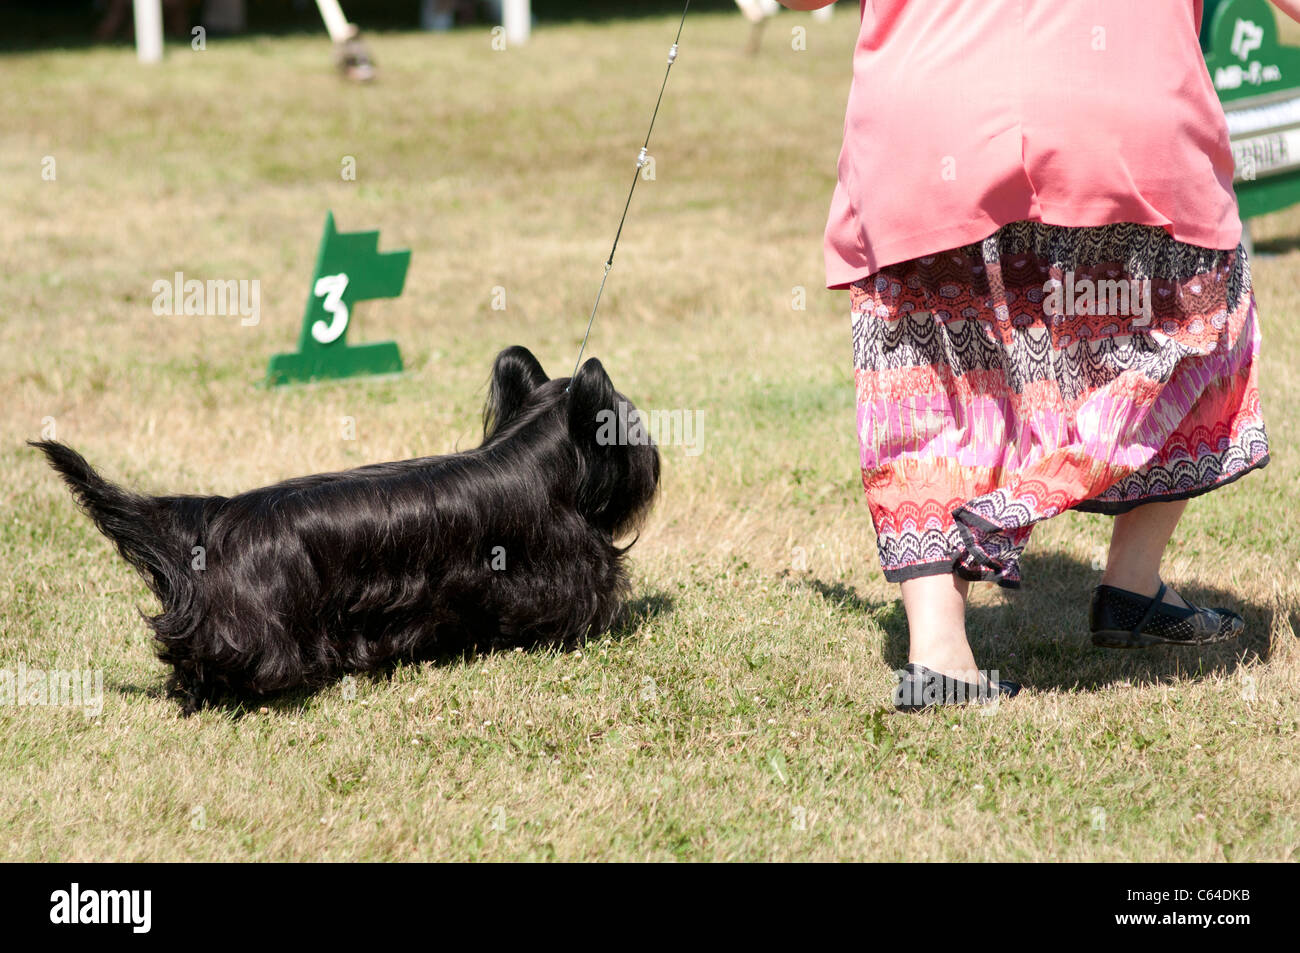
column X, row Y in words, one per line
column 1143, row 584
column 945, row 656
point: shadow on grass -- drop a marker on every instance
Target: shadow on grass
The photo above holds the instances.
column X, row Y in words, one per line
column 1039, row 636
column 1280, row 245
column 632, row 616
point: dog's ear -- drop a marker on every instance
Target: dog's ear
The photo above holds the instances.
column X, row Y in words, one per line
column 618, row 466
column 590, row 392
column 515, row 375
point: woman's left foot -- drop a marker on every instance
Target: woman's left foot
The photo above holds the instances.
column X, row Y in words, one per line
column 920, row 688
column 1121, row 619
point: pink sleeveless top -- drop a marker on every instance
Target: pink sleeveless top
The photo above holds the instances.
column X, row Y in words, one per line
column 966, row 115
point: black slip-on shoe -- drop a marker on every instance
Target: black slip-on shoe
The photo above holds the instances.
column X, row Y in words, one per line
column 1120, row 619
column 920, row 688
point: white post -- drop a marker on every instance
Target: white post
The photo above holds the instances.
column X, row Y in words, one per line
column 336, row 24
column 517, row 18
column 148, row 31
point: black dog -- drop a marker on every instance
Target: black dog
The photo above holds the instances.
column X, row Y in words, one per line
column 303, row 581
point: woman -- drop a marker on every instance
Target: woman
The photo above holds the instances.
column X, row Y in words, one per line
column 1051, row 306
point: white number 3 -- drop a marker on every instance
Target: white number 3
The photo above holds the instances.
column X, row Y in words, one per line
column 332, row 287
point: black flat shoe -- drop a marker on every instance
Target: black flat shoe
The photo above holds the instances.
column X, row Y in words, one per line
column 920, row 688
column 1126, row 620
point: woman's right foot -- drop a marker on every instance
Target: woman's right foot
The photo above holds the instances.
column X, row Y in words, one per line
column 1121, row 619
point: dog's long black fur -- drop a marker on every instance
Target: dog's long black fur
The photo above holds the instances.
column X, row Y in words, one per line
column 510, row 543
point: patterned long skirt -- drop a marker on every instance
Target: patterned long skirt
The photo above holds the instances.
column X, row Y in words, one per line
column 1044, row 369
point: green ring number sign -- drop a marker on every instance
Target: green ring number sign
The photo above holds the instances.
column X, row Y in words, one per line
column 1258, row 82
column 349, row 268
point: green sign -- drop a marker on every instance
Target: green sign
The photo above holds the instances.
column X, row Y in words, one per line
column 349, row 268
column 1258, row 82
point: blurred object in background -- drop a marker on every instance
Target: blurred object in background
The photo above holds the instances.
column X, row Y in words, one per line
column 444, row 14
column 758, row 12
column 225, row 16
column 117, row 22
column 350, row 54
column 353, row 59
column 34, row 24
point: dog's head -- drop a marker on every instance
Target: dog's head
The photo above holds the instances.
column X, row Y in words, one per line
column 617, row 463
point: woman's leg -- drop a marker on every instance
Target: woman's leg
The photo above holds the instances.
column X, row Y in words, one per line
column 1137, row 544
column 936, row 624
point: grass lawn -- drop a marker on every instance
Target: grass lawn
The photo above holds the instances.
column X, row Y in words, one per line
column 742, row 713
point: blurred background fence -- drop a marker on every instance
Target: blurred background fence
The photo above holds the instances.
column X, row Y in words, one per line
column 42, row 23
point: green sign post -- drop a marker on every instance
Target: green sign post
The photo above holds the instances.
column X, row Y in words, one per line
column 349, row 268
column 1258, row 82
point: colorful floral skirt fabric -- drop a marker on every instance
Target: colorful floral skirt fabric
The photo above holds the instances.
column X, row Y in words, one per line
column 1048, row 368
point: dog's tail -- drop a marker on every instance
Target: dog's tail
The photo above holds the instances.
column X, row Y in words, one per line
column 153, row 534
